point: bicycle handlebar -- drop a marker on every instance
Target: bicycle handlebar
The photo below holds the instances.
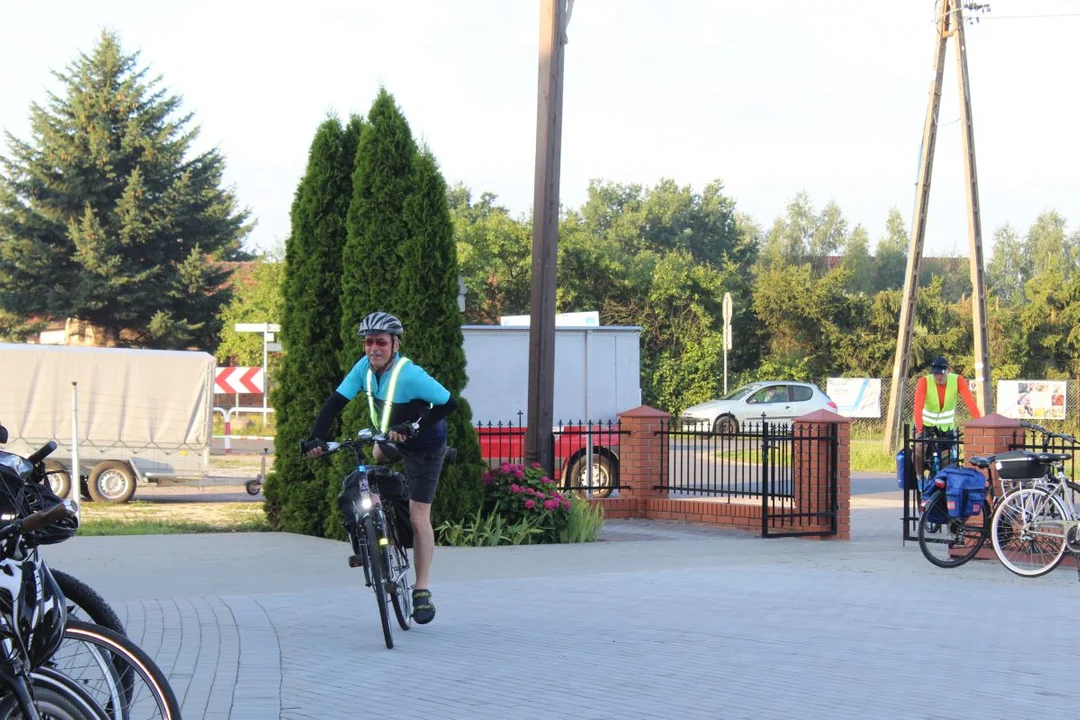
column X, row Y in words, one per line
column 1048, row 434
column 37, row 521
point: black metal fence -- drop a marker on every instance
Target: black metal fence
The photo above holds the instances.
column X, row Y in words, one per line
column 757, row 462
column 586, row 453
column 813, row 506
column 702, row 461
column 947, row 449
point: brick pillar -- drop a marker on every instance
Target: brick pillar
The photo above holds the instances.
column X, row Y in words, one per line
column 984, row 437
column 991, row 435
column 642, row 460
column 813, row 467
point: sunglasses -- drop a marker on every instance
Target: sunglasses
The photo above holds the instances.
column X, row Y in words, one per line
column 379, row 342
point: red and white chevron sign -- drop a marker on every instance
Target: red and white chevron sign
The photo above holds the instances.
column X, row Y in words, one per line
column 239, row 380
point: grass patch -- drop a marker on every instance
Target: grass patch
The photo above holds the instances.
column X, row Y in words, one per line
column 867, row 454
column 146, row 518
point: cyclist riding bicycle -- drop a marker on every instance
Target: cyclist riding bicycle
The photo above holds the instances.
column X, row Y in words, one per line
column 935, row 408
column 410, row 406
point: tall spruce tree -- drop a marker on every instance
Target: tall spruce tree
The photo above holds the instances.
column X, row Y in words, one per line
column 427, row 297
column 310, row 323
column 108, row 217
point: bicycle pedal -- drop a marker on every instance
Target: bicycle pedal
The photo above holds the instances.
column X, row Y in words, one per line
column 356, row 561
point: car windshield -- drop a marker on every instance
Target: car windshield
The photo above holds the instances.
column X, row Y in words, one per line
column 741, row 392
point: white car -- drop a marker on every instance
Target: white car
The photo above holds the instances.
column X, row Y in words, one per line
column 778, row 400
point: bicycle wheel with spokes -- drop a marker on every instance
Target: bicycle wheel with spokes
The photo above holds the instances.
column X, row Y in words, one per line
column 1028, row 531
column 115, row 672
column 378, row 576
column 84, row 603
column 400, row 590
column 952, row 543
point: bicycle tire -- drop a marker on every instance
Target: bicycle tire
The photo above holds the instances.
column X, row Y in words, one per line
column 88, row 600
column 136, row 662
column 56, row 697
column 1002, row 528
column 925, row 530
column 402, row 592
column 378, row 577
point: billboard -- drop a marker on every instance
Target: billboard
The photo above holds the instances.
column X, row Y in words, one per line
column 1019, row 399
column 855, row 397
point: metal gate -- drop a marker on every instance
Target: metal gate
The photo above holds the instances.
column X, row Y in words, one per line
column 757, row 461
column 792, row 504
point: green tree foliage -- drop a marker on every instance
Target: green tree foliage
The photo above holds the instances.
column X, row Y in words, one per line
column 297, row 489
column 371, row 266
column 494, row 254
column 427, row 301
column 257, row 298
column 890, row 256
column 108, row 217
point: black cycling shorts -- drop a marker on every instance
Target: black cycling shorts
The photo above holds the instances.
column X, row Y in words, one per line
column 423, row 469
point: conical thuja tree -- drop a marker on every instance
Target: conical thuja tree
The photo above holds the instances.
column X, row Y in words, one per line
column 427, row 296
column 311, row 318
column 371, row 264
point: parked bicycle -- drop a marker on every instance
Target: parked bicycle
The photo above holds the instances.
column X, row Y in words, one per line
column 379, row 538
column 51, row 665
column 949, row 533
column 1033, row 526
column 32, row 472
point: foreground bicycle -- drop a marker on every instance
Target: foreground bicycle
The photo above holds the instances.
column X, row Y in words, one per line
column 52, row 666
column 380, row 539
column 33, row 472
column 1032, row 527
column 949, row 538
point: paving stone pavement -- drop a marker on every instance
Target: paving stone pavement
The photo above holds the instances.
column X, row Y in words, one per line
column 659, row 621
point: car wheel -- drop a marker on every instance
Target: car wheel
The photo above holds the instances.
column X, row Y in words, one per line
column 725, row 425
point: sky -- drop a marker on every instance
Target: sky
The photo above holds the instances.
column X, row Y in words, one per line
column 772, row 98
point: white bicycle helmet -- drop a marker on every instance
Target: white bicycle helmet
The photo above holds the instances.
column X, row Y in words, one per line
column 380, row 322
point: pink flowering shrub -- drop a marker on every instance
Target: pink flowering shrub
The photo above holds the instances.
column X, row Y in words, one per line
column 520, row 493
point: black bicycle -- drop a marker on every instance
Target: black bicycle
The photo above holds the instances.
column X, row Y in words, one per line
column 380, row 539
column 36, row 491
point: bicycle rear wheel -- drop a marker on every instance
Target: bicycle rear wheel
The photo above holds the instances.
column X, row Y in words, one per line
column 952, row 543
column 1028, row 531
column 378, row 576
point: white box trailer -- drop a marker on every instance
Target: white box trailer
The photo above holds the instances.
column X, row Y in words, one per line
column 145, row 416
column 597, row 372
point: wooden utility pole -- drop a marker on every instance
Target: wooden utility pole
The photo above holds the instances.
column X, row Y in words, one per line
column 539, row 445
column 950, row 24
column 984, row 396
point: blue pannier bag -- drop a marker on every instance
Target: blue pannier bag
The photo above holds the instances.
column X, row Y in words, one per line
column 936, row 512
column 965, row 491
column 901, row 469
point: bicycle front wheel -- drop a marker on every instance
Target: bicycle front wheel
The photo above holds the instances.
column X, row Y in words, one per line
column 952, row 543
column 1028, row 531
column 84, row 603
column 115, row 672
column 400, row 590
column 378, row 577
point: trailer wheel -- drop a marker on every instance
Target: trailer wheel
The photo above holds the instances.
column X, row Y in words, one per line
column 112, row 482
column 253, row 487
column 604, row 475
column 59, row 478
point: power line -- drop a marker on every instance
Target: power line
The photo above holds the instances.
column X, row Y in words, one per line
column 1026, row 17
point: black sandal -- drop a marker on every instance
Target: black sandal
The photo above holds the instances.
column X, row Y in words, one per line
column 423, row 609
